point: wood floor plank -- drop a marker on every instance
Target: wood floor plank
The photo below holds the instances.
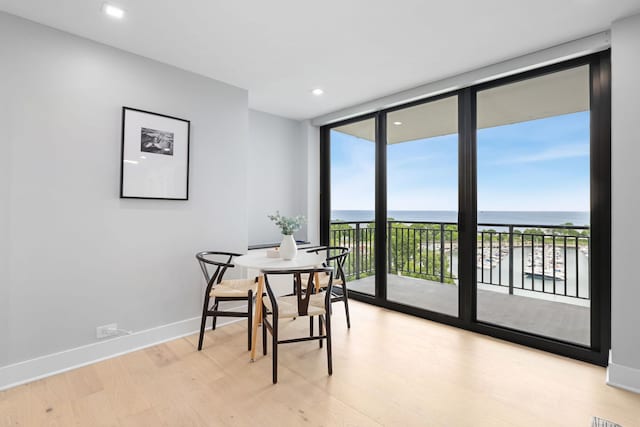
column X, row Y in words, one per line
column 161, row 355
column 147, row 418
column 83, row 382
column 95, row 409
column 390, row 369
column 183, row 414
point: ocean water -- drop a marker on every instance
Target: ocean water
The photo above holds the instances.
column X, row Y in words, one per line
column 484, row 217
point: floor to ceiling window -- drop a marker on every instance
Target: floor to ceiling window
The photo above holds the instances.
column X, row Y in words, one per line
column 422, row 205
column 533, row 145
column 486, row 208
column 353, row 164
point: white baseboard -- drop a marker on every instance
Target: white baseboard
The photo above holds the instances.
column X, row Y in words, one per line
column 623, row 377
column 51, row 364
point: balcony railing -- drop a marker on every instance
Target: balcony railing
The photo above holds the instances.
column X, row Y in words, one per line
column 538, row 258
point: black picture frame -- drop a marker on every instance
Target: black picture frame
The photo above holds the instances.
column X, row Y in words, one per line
column 154, row 156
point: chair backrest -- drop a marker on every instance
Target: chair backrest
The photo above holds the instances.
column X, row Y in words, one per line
column 303, row 291
column 218, row 262
column 336, row 256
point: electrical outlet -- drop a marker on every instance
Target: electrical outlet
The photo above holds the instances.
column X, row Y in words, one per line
column 107, row 331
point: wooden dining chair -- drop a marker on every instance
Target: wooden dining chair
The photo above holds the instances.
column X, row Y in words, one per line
column 304, row 303
column 336, row 256
column 214, row 264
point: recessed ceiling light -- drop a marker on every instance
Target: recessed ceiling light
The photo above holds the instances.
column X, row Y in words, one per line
column 317, row 92
column 397, row 123
column 113, row 11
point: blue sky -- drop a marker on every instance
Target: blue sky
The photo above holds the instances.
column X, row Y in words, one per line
column 539, row 165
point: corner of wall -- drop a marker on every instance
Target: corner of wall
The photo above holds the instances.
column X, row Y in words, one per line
column 311, row 138
column 623, row 377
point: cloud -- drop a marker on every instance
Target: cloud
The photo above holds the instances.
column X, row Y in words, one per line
column 566, row 151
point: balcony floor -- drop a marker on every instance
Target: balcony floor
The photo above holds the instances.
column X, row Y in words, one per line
column 532, row 313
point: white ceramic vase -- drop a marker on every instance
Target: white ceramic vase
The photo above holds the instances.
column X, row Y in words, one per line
column 288, row 247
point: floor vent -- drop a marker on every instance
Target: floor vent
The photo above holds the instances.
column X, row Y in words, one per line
column 599, row 422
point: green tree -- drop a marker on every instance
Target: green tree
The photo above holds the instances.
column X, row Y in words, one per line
column 413, row 249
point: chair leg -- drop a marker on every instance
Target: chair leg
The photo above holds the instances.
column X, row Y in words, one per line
column 329, row 359
column 345, row 298
column 203, row 322
column 264, row 331
column 274, row 350
column 215, row 318
column 321, row 328
column 250, row 318
column 310, row 326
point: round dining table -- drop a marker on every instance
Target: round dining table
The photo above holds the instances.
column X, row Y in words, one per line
column 258, row 260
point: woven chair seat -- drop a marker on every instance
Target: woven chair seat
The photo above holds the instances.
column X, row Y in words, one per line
column 234, row 288
column 288, row 305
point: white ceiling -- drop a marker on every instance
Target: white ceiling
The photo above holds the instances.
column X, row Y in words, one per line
column 356, row 50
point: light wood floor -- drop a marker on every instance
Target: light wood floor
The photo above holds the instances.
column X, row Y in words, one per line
column 389, row 369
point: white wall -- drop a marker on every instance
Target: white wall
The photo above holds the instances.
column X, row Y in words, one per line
column 4, row 214
column 624, row 367
column 312, row 141
column 277, row 174
column 78, row 256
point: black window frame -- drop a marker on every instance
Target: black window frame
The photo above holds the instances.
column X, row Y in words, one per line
column 600, row 198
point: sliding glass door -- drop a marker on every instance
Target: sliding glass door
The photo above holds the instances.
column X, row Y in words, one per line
column 487, row 208
column 422, row 206
column 352, row 175
column 533, row 168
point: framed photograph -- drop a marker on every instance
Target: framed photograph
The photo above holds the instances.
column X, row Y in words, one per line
column 155, row 156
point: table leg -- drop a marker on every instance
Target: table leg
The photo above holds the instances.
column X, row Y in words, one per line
column 258, row 317
column 316, row 278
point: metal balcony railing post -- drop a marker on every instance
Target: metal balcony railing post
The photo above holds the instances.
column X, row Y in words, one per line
column 441, row 253
column 511, row 253
column 358, row 248
column 400, row 250
column 389, row 245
